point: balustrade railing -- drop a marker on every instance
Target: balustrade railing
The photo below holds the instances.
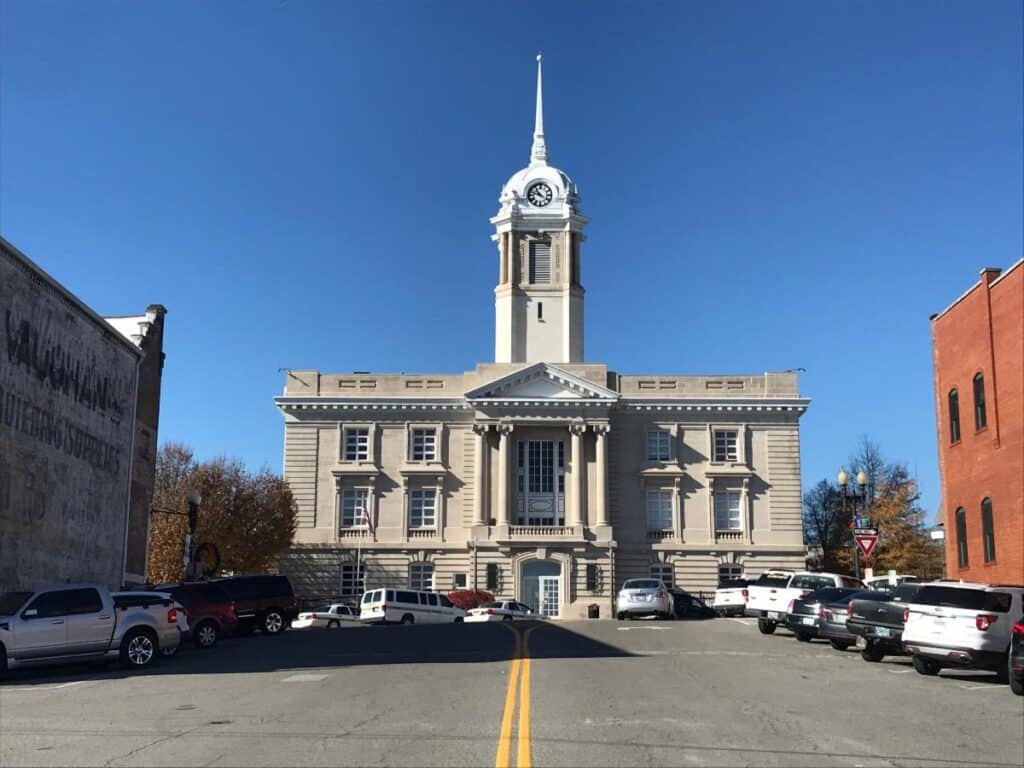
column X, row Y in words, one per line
column 728, row 535
column 659, row 535
column 543, row 531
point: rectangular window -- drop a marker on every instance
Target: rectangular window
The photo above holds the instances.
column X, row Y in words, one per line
column 593, row 579
column 730, row 572
column 540, row 262
column 659, row 445
column 353, row 503
column 954, row 415
column 961, row 538
column 460, row 581
column 421, row 577
column 988, row 531
column 424, row 445
column 352, row 582
column 356, row 444
column 422, row 508
column 979, row 402
column 725, row 445
column 663, row 573
column 727, row 511
column 659, row 509
column 493, row 576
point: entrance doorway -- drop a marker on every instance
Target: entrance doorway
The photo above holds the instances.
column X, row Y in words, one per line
column 542, row 587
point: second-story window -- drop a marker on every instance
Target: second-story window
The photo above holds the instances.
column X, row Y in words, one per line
column 979, row 401
column 725, row 445
column 353, row 508
column 422, row 508
column 357, row 444
column 727, row 511
column 954, row 416
column 424, row 445
column 961, row 538
column 988, row 531
column 659, row 445
column 659, row 509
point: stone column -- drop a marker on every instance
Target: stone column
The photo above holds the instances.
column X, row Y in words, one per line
column 574, row 517
column 480, row 474
column 601, row 481
column 504, row 430
column 745, row 516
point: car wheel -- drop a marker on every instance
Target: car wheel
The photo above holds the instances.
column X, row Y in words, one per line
column 206, row 635
column 620, row 616
column 3, row 662
column 458, row 620
column 840, row 645
column 139, row 648
column 766, row 627
column 872, row 652
column 802, row 637
column 926, row 666
column 507, row 618
column 408, row 619
column 1016, row 683
column 273, row 622
column 334, row 623
column 1003, row 671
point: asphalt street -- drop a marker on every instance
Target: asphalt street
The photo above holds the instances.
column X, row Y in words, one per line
column 562, row 694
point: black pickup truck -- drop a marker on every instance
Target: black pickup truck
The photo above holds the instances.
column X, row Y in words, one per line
column 878, row 625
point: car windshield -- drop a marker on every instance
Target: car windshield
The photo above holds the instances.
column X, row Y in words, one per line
column 10, row 602
column 811, row 581
column 642, row 584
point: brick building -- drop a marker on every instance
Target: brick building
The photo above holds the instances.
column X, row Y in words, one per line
column 978, row 351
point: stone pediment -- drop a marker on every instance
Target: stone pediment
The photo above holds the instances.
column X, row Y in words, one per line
column 542, row 381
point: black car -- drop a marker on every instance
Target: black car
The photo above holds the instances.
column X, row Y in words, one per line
column 877, row 623
column 833, row 614
column 1016, row 663
column 264, row 602
column 803, row 615
column 686, row 606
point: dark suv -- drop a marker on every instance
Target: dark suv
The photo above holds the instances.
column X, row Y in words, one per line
column 210, row 609
column 263, row 602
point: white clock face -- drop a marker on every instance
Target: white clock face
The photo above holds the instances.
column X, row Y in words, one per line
column 539, row 195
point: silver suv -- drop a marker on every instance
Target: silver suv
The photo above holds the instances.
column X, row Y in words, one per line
column 643, row 597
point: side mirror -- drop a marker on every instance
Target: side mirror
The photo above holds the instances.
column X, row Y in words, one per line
column 31, row 613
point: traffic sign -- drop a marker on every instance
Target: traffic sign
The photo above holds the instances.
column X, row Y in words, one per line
column 866, row 539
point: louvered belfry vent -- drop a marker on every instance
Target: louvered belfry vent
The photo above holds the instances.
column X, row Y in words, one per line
column 540, row 262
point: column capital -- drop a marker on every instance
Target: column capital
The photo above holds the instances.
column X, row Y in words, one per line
column 578, row 427
column 601, row 428
column 481, row 429
column 505, row 428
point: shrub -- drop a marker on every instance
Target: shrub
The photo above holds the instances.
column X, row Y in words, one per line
column 470, row 598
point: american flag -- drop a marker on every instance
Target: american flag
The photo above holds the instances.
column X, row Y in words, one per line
column 364, row 519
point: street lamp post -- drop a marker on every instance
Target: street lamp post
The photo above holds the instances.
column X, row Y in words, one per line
column 856, row 499
column 194, row 500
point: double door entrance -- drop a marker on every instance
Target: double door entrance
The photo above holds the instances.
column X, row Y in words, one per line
column 540, row 482
column 542, row 587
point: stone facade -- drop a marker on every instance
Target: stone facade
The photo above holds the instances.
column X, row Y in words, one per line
column 978, row 349
column 540, row 477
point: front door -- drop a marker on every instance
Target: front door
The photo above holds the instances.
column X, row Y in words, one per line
column 550, row 599
column 42, row 630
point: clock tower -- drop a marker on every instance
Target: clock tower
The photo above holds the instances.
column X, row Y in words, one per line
column 538, row 302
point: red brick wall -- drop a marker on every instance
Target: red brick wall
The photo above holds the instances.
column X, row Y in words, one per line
column 987, row 462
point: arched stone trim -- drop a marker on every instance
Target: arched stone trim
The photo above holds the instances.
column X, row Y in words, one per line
column 564, row 559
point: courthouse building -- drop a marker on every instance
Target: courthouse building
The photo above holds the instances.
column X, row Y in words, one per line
column 540, row 476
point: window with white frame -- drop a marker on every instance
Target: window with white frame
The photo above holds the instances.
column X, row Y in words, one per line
column 729, row 572
column 356, row 444
column 727, row 511
column 659, row 445
column 664, row 573
column 659, row 509
column 460, row 581
column 422, row 508
column 423, row 444
column 421, row 577
column 352, row 583
column 353, row 503
column 726, row 445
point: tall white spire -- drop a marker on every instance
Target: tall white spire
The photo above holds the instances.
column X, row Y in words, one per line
column 539, row 152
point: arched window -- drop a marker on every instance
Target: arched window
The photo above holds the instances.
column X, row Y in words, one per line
column 961, row 538
column 988, row 531
column 954, row 416
column 979, row 401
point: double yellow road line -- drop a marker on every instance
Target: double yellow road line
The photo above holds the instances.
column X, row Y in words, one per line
column 518, row 677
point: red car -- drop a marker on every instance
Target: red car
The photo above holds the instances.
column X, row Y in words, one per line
column 211, row 611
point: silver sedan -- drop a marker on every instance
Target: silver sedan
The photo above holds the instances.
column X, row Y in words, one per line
column 643, row 597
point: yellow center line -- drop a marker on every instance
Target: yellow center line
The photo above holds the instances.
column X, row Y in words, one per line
column 503, row 758
column 524, row 756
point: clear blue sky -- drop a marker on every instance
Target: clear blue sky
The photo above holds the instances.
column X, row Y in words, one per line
column 771, row 186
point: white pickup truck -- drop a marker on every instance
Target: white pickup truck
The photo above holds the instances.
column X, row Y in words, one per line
column 83, row 622
column 771, row 594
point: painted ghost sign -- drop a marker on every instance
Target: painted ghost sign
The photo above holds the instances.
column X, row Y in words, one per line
column 67, row 394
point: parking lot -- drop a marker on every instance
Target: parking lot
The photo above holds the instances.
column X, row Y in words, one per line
column 590, row 693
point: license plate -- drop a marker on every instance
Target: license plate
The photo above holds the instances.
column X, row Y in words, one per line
column 808, row 620
column 883, row 632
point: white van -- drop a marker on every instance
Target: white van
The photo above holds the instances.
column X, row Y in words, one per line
column 406, row 606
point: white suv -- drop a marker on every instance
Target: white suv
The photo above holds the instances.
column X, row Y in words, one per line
column 960, row 624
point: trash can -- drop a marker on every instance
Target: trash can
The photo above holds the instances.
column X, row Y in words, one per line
column 593, row 611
